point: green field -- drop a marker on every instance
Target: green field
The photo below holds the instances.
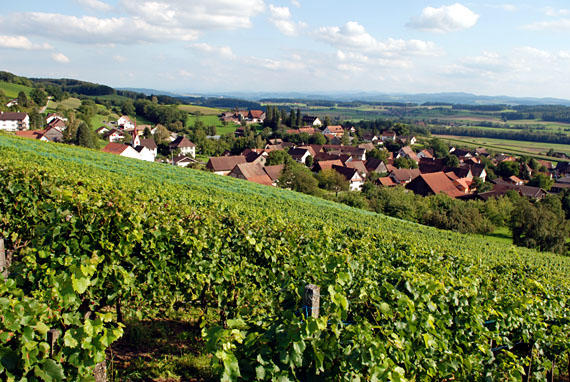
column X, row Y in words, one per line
column 212, row 120
column 11, row 90
column 534, row 149
column 194, row 109
column 205, row 267
column 69, row 103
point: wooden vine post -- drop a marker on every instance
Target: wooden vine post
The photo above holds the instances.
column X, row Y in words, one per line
column 312, row 300
column 3, row 260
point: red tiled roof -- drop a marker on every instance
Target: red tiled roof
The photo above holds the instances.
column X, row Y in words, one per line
column 225, row 163
column 115, row 148
column 252, row 172
column 32, row 134
column 386, row 181
column 358, row 165
column 256, row 113
column 274, row 172
column 327, row 164
column 438, row 182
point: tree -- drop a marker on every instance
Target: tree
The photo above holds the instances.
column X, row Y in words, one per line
column 128, row 108
column 39, row 96
column 404, row 162
column 299, row 118
column 299, row 178
column 541, row 180
column 507, row 169
column 345, row 140
column 277, row 157
column 161, row 135
column 327, row 121
column 147, row 133
column 480, row 185
column 378, row 154
column 541, row 226
column 293, row 119
column 440, row 148
column 318, row 139
column 22, row 99
column 451, row 161
column 309, row 161
column 332, row 180
column 84, row 136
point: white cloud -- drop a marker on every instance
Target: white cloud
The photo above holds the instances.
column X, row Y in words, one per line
column 21, row 42
column 353, row 36
column 281, row 18
column 296, row 3
column 120, row 59
column 96, row 5
column 447, row 18
column 556, row 25
column 199, row 14
column 60, row 57
column 224, row 51
column 146, row 21
column 552, row 12
column 184, row 73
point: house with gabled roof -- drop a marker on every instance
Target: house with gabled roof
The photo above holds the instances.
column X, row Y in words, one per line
column 53, row 134
column 352, row 176
column 335, row 130
column 185, row 146
column 121, row 149
column 386, row 181
column 32, row 134
column 274, row 172
column 299, row 154
column 224, row 165
column 433, row 184
column 310, row 120
column 322, row 165
column 389, row 135
column 404, row 175
column 376, row 165
column 125, row 123
column 407, row 152
column 251, row 172
column 183, row 161
column 14, row 121
column 359, row 166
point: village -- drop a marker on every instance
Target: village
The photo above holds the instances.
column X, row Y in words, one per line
column 355, row 160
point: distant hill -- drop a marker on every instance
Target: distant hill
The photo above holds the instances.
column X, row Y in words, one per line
column 148, row 92
column 451, row 98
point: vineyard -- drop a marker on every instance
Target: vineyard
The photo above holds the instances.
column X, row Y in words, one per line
column 96, row 240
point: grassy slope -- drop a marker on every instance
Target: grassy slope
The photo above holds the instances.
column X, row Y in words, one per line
column 12, row 90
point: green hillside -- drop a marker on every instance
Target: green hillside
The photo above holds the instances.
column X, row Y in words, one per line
column 12, row 90
column 227, row 260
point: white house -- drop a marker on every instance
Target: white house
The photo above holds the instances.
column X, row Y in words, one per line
column 145, row 154
column 12, row 102
column 122, row 150
column 352, row 176
column 14, row 121
column 184, row 145
column 125, row 123
column 114, row 135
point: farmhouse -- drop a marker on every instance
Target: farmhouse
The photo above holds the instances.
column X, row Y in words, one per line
column 14, row 121
column 184, row 145
column 351, row 174
column 433, row 184
column 122, row 150
column 337, row 131
column 224, row 165
column 310, row 120
column 125, row 123
column 251, row 172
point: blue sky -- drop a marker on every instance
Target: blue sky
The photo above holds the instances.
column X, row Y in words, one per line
column 487, row 47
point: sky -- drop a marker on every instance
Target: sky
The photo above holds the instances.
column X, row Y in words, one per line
column 311, row 46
